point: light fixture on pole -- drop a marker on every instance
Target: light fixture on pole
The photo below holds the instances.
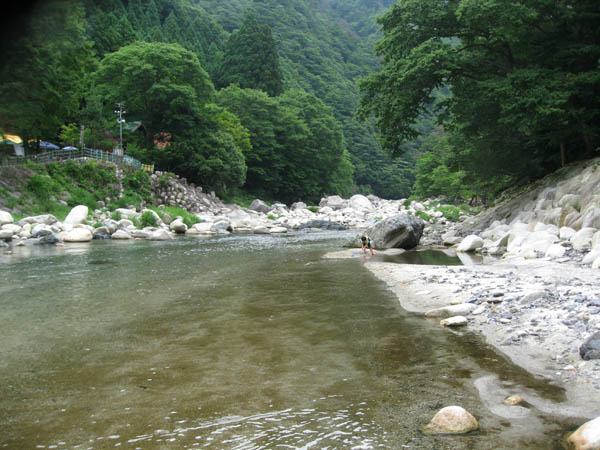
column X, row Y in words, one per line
column 120, row 111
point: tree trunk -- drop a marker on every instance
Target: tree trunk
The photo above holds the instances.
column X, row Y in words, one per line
column 563, row 155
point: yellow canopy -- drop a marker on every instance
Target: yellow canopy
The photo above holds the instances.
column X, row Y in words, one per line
column 13, row 138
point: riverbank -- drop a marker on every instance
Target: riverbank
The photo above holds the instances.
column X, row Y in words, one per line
column 536, row 312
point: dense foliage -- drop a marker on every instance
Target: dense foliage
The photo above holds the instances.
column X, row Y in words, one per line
column 524, row 81
column 472, row 94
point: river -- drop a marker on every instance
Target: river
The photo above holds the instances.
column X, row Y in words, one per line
column 241, row 342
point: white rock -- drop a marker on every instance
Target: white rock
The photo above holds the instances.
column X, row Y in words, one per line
column 6, row 234
column 586, row 437
column 596, row 240
column 140, row 234
column 202, row 227
column 566, row 233
column 260, row 230
column 126, row 213
column 14, row 228
column 5, row 217
column 124, row 223
column 470, row 243
column 77, row 234
column 456, row 321
column 360, row 202
column 479, row 310
column 596, row 264
column 178, row 226
column 161, row 235
column 591, row 256
column 583, row 238
column 555, row 251
column 77, row 216
column 277, row 230
column 121, row 234
column 451, row 420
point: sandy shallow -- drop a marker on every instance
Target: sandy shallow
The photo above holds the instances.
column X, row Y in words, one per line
column 534, row 335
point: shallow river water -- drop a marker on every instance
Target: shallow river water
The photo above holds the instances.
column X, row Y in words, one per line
column 239, row 342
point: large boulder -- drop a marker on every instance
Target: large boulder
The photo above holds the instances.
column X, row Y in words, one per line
column 77, row 216
column 451, row 420
column 77, row 234
column 161, row 235
column 334, row 202
column 177, row 226
column 583, row 238
column 361, row 203
column 590, row 349
column 5, row 217
column 401, row 231
column 259, row 206
column 470, row 244
column 586, row 437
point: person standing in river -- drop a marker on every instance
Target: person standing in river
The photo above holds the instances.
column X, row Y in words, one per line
column 366, row 243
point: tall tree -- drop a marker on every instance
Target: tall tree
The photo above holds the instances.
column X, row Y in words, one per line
column 251, row 59
column 524, row 78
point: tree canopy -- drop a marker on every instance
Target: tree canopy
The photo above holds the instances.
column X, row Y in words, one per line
column 251, row 60
column 524, row 81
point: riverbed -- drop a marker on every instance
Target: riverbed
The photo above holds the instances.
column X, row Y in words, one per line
column 241, row 342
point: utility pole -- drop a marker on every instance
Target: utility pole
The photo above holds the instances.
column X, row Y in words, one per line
column 120, row 111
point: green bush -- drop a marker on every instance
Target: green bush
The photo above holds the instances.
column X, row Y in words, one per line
column 116, row 216
column 423, row 215
column 313, row 209
column 148, row 219
column 450, row 212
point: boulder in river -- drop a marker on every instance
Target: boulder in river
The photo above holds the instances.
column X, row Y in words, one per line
column 77, row 234
column 400, row 231
column 451, row 420
column 590, row 349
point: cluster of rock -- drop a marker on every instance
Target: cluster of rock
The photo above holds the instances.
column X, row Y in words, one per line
column 557, row 220
column 172, row 190
column 214, row 218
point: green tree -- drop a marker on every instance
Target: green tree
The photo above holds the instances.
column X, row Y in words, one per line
column 163, row 85
column 42, row 71
column 524, row 78
column 251, row 59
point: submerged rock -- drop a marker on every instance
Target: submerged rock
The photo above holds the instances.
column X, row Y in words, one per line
column 451, row 420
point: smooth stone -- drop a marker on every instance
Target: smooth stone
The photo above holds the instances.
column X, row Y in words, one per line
column 452, row 310
column 456, row 321
column 451, row 420
column 586, row 437
column 121, row 234
column 77, row 215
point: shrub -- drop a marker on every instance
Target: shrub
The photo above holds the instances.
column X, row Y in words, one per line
column 423, row 215
column 116, row 216
column 148, row 219
column 450, row 212
column 313, row 209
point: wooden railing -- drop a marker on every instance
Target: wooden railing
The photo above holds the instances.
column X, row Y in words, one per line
column 81, row 154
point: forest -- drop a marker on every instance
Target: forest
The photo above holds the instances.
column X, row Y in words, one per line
column 295, row 99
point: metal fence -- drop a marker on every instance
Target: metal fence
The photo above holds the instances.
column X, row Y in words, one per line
column 81, row 154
